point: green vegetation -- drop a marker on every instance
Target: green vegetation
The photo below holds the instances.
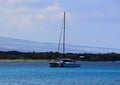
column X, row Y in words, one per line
column 53, row 55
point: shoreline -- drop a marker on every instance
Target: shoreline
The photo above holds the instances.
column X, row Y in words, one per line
column 22, row 60
column 44, row 60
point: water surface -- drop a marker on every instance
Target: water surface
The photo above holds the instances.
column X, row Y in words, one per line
column 39, row 73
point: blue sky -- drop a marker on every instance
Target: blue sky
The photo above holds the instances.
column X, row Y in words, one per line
column 89, row 22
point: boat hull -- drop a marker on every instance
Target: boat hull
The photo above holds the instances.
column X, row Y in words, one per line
column 71, row 65
column 54, row 64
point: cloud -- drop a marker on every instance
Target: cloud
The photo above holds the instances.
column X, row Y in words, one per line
column 16, row 1
column 54, row 7
column 20, row 21
column 99, row 11
column 26, row 17
column 40, row 16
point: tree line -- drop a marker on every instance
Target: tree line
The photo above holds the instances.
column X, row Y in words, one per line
column 53, row 55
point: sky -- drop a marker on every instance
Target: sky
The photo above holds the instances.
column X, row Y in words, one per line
column 88, row 22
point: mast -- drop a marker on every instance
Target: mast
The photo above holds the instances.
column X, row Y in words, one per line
column 64, row 37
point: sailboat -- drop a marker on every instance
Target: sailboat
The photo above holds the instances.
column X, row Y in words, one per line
column 64, row 62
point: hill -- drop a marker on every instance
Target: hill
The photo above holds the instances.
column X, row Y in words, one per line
column 9, row 44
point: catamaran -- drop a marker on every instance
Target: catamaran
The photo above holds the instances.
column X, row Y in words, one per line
column 64, row 62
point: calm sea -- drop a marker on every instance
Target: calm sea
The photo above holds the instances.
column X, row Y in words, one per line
column 39, row 73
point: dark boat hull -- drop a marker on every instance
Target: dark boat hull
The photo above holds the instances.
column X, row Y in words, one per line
column 54, row 64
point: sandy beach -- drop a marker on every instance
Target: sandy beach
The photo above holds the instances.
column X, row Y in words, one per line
column 22, row 60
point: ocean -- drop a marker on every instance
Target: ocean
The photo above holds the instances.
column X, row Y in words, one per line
column 39, row 73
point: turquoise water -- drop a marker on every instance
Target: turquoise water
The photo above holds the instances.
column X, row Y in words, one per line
column 39, row 73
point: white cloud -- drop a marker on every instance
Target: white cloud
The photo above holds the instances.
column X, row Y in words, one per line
column 20, row 21
column 26, row 17
column 40, row 16
column 55, row 7
column 16, row 1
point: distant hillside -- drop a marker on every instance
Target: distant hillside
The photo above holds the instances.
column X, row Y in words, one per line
column 8, row 44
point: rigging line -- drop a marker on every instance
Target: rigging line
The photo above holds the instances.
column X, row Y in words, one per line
column 60, row 41
column 59, row 44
